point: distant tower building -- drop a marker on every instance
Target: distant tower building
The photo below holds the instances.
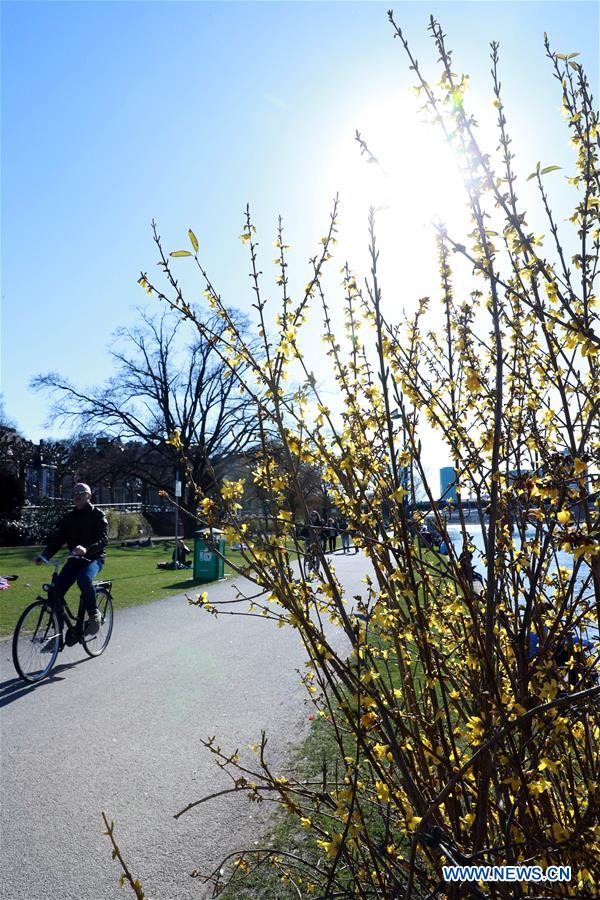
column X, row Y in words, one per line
column 448, row 484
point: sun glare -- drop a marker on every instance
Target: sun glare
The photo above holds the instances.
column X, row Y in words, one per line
column 413, row 182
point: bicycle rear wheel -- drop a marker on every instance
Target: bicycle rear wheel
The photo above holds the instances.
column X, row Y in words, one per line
column 311, row 565
column 95, row 644
column 36, row 641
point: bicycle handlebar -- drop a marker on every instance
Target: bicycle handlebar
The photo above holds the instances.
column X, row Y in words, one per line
column 57, row 563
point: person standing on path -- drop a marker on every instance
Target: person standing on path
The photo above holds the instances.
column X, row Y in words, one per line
column 343, row 529
column 317, row 530
column 332, row 534
column 85, row 532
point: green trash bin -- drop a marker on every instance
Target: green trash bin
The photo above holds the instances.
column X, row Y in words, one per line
column 208, row 566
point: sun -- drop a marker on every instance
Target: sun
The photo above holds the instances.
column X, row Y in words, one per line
column 413, row 181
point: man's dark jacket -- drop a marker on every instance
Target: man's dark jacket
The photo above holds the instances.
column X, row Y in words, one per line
column 87, row 526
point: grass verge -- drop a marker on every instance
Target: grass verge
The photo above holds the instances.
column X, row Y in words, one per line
column 285, row 833
column 136, row 580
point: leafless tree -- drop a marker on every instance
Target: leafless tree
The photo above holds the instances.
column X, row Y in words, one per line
column 16, row 453
column 5, row 420
column 303, row 488
column 163, row 387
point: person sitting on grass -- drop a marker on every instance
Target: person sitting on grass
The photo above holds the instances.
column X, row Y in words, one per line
column 180, row 554
column 465, row 561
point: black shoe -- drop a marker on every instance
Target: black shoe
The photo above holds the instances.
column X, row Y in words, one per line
column 93, row 623
column 72, row 637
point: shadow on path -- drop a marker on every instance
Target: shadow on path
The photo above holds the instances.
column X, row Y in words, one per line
column 184, row 586
column 14, row 688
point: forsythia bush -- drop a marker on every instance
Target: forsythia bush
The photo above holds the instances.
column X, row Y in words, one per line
column 467, row 721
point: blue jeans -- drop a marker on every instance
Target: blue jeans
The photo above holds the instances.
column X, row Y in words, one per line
column 82, row 573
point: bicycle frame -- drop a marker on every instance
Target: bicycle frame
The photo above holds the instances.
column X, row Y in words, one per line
column 74, row 623
column 312, row 558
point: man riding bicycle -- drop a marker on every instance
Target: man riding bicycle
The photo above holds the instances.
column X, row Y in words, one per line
column 85, row 532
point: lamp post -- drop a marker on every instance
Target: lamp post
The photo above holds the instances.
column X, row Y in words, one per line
column 177, row 497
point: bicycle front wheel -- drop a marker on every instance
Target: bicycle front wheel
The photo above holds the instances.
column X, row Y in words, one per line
column 95, row 644
column 311, row 567
column 36, row 641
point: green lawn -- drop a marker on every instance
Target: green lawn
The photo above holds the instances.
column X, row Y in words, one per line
column 133, row 572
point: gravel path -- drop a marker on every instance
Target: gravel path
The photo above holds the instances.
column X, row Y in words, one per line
column 122, row 733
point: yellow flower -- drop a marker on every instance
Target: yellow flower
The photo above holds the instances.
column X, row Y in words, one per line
column 368, row 720
column 380, row 750
column 383, row 791
column 174, row 439
column 559, row 833
column 232, row 489
column 331, row 847
column 538, row 787
column 472, row 381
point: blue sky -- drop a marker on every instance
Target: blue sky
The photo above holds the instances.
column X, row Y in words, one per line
column 115, row 113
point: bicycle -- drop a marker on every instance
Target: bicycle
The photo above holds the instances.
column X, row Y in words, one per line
column 40, row 634
column 312, row 561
